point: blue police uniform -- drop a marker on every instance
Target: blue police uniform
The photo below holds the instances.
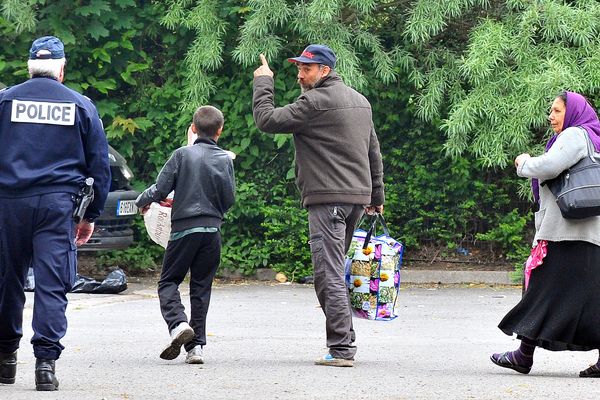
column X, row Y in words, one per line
column 51, row 139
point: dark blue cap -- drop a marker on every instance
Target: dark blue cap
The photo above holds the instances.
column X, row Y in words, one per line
column 316, row 54
column 46, row 47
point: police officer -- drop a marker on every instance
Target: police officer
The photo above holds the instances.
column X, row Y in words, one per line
column 51, row 140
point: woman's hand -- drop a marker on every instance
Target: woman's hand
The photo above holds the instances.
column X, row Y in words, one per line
column 520, row 158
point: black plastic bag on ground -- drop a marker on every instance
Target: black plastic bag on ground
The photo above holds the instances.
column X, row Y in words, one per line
column 114, row 283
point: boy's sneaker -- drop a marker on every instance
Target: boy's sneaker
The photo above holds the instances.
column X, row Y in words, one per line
column 180, row 335
column 194, row 356
column 329, row 360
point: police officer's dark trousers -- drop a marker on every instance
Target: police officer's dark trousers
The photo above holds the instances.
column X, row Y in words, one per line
column 199, row 253
column 331, row 228
column 36, row 231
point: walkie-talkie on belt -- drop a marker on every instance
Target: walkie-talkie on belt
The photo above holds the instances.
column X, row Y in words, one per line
column 84, row 198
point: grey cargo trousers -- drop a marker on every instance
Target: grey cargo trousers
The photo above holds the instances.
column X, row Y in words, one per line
column 331, row 227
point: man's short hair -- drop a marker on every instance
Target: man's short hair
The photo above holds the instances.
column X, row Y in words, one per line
column 46, row 67
column 208, row 120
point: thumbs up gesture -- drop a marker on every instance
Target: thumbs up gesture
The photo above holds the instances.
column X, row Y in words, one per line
column 264, row 69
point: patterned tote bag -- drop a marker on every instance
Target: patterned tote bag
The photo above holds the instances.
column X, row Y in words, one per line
column 373, row 267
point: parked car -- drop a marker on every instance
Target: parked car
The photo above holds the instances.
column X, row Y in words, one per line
column 113, row 229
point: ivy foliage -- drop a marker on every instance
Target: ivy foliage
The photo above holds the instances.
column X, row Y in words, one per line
column 122, row 58
column 493, row 89
column 278, row 29
column 148, row 64
column 439, row 200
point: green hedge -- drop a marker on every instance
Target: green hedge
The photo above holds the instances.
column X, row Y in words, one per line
column 135, row 70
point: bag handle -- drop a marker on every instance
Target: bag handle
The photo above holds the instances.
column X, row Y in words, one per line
column 590, row 148
column 374, row 219
column 590, row 155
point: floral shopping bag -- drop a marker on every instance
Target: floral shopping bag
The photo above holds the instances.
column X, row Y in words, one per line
column 373, row 272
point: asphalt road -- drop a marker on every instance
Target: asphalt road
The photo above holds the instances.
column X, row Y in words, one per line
column 264, row 338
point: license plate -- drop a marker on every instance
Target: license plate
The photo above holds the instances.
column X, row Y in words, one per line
column 126, row 207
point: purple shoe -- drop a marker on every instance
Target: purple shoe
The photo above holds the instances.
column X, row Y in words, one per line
column 503, row 360
column 592, row 372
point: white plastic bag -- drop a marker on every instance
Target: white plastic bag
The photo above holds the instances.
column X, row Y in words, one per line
column 158, row 223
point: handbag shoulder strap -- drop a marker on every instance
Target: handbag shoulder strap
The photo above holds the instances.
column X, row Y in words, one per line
column 590, row 146
column 590, row 155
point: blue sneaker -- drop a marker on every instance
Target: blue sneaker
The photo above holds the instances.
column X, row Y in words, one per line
column 331, row 361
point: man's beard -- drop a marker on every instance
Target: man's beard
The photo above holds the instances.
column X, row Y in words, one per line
column 306, row 88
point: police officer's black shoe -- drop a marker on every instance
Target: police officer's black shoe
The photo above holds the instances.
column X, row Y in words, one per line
column 8, row 367
column 45, row 380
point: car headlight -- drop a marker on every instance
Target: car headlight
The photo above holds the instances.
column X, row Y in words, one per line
column 127, row 173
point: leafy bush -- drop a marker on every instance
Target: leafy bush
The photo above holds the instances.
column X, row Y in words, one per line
column 286, row 237
column 509, row 233
column 143, row 257
column 141, row 74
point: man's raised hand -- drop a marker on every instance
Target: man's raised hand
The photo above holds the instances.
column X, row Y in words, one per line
column 264, row 69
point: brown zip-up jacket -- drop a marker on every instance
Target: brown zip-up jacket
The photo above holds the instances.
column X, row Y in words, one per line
column 337, row 152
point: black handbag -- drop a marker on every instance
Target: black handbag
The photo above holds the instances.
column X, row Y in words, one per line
column 577, row 189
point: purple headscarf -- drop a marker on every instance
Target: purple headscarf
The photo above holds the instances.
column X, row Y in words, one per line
column 578, row 113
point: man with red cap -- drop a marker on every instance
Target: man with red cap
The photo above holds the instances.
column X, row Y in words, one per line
column 339, row 172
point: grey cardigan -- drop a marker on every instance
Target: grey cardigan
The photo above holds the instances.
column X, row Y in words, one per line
column 569, row 148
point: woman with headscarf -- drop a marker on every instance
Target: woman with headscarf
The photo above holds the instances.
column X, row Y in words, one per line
column 560, row 309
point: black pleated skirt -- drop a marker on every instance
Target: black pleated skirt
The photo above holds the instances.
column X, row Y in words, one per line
column 561, row 308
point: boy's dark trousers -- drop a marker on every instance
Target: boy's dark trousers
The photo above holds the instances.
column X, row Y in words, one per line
column 200, row 254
